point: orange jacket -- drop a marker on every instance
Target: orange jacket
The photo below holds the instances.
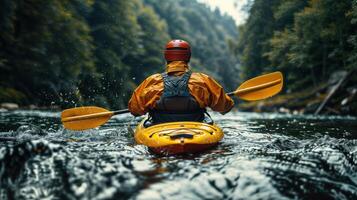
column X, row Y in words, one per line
column 206, row 91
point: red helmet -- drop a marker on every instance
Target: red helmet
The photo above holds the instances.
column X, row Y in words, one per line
column 177, row 50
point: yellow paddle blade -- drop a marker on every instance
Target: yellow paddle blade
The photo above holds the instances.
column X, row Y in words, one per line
column 87, row 117
column 260, row 87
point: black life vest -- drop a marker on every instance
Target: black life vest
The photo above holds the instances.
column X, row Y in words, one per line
column 176, row 103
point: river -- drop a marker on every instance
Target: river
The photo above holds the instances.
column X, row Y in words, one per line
column 262, row 156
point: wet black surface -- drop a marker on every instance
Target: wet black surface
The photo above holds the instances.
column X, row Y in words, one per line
column 262, row 156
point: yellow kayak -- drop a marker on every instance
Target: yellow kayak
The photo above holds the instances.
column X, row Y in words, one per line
column 178, row 137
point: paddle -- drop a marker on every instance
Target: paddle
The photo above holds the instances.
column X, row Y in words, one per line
column 260, row 87
column 87, row 117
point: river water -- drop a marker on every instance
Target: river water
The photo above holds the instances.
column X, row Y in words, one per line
column 262, row 156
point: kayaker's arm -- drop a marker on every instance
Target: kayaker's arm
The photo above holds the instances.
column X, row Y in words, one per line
column 219, row 101
column 145, row 95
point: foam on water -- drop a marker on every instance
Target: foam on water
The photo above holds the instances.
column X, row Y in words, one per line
column 262, row 156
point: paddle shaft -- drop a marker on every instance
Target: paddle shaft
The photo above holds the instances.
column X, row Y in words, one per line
column 117, row 112
column 95, row 115
column 254, row 88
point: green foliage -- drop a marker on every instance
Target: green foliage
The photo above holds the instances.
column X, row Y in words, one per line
column 285, row 12
column 152, row 38
column 12, row 95
column 97, row 52
column 254, row 35
column 352, row 60
column 115, row 34
column 44, row 46
column 307, row 40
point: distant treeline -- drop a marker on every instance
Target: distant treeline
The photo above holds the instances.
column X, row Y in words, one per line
column 97, row 51
column 306, row 39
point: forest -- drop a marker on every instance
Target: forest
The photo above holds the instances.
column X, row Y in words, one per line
column 93, row 52
column 311, row 42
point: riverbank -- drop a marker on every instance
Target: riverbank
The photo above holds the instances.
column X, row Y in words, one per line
column 338, row 96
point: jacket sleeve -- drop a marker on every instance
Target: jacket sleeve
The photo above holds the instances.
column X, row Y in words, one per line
column 145, row 95
column 219, row 101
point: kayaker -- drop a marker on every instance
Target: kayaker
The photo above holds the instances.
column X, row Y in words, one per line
column 178, row 94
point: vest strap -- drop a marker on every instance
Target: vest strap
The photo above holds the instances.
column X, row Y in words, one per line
column 176, row 103
column 176, row 86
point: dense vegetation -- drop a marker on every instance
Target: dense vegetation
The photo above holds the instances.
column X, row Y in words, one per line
column 306, row 39
column 96, row 52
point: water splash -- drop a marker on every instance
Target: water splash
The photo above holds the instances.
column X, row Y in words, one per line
column 263, row 156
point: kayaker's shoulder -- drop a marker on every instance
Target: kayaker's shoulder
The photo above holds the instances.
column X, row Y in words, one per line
column 199, row 74
column 151, row 80
column 154, row 77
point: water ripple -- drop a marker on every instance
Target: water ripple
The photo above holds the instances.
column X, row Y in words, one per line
column 262, row 156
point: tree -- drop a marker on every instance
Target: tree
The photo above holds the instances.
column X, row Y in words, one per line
column 115, row 32
column 254, row 36
column 352, row 60
column 53, row 44
column 307, row 40
column 153, row 36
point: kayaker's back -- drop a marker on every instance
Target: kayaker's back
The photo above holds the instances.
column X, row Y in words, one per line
column 176, row 102
column 178, row 94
